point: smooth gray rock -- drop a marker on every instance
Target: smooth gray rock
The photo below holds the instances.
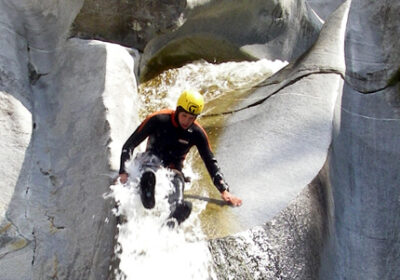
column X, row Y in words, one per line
column 58, row 223
column 281, row 136
column 282, row 132
column 129, row 23
column 76, row 145
column 42, row 25
column 15, row 114
column 228, row 30
column 286, row 247
column 372, row 53
column 324, row 8
column 363, row 168
column 15, row 136
column 61, row 133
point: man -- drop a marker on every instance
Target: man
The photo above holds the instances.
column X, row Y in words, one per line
column 170, row 135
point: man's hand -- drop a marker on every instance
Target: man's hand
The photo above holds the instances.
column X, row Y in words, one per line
column 123, row 178
column 230, row 198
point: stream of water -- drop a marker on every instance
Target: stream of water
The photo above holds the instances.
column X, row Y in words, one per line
column 148, row 249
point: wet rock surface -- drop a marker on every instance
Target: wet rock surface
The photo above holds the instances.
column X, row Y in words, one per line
column 287, row 247
column 363, row 165
column 221, row 31
column 129, row 23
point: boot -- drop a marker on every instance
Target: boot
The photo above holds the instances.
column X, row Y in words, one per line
column 147, row 185
column 180, row 213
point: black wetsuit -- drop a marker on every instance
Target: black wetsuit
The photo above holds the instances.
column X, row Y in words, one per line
column 170, row 143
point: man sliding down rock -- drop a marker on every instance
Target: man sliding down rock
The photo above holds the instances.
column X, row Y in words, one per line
column 171, row 134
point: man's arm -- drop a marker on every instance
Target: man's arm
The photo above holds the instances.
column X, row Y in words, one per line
column 223, row 187
column 216, row 175
column 137, row 137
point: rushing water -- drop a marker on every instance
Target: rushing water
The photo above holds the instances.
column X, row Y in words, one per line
column 147, row 248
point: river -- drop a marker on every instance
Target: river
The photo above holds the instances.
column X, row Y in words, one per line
column 147, row 248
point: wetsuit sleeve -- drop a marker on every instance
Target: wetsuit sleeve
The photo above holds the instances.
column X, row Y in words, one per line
column 210, row 161
column 137, row 137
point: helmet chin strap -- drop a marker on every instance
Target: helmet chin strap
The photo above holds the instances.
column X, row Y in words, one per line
column 178, row 110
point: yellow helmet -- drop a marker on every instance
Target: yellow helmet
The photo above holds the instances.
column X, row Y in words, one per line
column 191, row 101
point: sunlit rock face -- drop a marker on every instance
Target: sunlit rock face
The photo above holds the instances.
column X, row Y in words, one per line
column 357, row 236
column 31, row 32
column 363, row 167
column 235, row 30
column 42, row 25
column 58, row 222
column 285, row 247
column 288, row 121
column 324, row 8
column 130, row 23
column 60, row 125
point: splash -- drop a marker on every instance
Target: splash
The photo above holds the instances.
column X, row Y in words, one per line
column 212, row 80
column 147, row 247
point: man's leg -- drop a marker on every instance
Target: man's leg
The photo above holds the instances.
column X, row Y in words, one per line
column 180, row 209
column 150, row 164
column 147, row 187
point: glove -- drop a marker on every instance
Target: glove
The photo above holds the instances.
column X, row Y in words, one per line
column 220, row 183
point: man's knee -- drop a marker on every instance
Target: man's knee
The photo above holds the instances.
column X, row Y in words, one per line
column 178, row 184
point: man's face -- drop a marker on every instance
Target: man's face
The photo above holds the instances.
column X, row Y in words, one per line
column 186, row 120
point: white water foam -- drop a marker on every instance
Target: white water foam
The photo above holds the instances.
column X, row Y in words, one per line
column 210, row 79
column 148, row 248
